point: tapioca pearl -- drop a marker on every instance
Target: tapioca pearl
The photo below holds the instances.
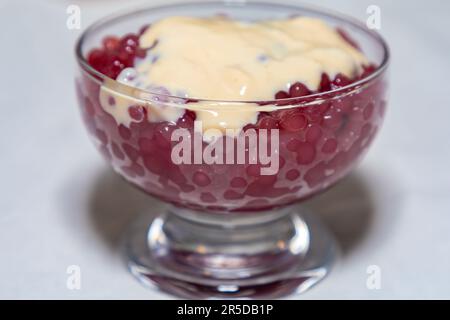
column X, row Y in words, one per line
column 315, row 117
column 344, row 104
column 268, row 122
column 277, row 114
column 169, row 192
column 129, row 40
column 238, row 182
column 140, row 127
column 190, row 113
column 358, row 106
column 368, row 70
column 131, row 152
column 330, row 146
column 313, row 133
column 322, row 107
column 137, row 113
column 101, row 136
column 141, row 53
column 371, row 136
column 316, row 175
column 293, row 145
column 154, row 164
column 316, row 112
column 90, row 87
column 365, row 131
column 332, row 119
column 90, row 125
column 298, row 90
column 325, row 83
column 207, row 197
column 365, row 135
column 79, row 90
column 128, row 76
column 355, row 150
column 187, row 188
column 368, row 111
column 111, row 43
column 163, row 135
column 137, row 169
column 282, row 95
column 292, row 174
column 128, row 47
column 97, row 58
column 201, row 179
column 253, row 170
column 232, row 195
column 255, row 189
column 117, row 152
column 124, row 132
column 293, row 121
column 212, row 208
column 340, row 81
column 306, row 153
column 187, row 120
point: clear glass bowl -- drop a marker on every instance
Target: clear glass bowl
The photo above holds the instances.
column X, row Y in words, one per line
column 230, row 231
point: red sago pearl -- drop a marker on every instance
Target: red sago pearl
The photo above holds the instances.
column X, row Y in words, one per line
column 201, row 179
column 137, row 113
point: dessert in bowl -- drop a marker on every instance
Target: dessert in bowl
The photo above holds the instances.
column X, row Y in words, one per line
column 231, row 113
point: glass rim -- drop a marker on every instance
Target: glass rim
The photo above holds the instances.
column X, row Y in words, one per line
column 304, row 100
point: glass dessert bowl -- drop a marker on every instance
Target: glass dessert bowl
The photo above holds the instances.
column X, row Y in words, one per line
column 231, row 169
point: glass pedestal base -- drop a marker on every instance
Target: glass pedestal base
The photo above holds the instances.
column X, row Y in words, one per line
column 240, row 255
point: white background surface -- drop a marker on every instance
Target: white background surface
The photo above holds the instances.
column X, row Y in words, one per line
column 60, row 205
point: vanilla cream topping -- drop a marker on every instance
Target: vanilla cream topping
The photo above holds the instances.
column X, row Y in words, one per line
column 222, row 59
column 218, row 58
